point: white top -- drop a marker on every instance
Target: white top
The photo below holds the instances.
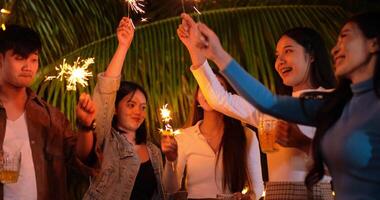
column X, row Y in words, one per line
column 17, row 139
column 287, row 164
column 203, row 181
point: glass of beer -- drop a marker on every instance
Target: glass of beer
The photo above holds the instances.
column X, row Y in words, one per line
column 9, row 166
column 267, row 133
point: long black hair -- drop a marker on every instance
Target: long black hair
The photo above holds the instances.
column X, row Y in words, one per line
column 126, row 88
column 321, row 72
column 369, row 24
column 233, row 144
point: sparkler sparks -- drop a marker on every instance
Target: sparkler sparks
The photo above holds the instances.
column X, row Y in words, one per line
column 144, row 19
column 76, row 74
column 136, row 5
column 165, row 115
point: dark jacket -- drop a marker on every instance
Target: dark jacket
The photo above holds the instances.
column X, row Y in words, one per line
column 52, row 143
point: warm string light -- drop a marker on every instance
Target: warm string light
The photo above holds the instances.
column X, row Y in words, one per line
column 166, row 118
column 5, row 11
column 4, row 14
column 73, row 74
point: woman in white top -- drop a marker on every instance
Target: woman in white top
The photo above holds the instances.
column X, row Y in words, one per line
column 302, row 62
column 220, row 155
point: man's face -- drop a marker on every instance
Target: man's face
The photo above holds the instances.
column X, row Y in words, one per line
column 16, row 70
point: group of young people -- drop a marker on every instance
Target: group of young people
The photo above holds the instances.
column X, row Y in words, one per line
column 329, row 137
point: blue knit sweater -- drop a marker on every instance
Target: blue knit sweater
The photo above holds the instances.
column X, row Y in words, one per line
column 351, row 147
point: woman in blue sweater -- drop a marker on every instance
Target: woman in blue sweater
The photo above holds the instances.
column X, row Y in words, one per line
column 348, row 129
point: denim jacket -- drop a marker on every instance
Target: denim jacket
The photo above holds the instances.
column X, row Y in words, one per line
column 120, row 164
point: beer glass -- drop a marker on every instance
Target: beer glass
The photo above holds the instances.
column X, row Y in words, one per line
column 9, row 166
column 267, row 133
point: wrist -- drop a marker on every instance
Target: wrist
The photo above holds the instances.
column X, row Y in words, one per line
column 197, row 60
column 86, row 128
column 171, row 164
column 123, row 47
column 222, row 59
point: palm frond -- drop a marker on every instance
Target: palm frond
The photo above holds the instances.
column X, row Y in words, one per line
column 158, row 61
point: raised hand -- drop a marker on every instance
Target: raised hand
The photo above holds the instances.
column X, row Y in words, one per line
column 189, row 35
column 85, row 110
column 169, row 147
column 125, row 32
column 289, row 135
column 212, row 47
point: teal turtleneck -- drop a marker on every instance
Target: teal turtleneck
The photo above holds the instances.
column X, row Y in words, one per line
column 351, row 147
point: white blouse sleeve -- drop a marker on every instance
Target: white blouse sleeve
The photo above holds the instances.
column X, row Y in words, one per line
column 219, row 99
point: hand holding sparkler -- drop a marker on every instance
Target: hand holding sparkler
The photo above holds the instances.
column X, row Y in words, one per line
column 169, row 147
column 85, row 110
column 168, row 143
column 125, row 32
column 210, row 43
column 188, row 33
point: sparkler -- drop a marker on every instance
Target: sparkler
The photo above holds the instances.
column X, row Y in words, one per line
column 136, row 6
column 165, row 115
column 76, row 74
column 198, row 12
column 183, row 6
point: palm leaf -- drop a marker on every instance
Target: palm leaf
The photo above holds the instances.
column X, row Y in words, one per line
column 158, row 61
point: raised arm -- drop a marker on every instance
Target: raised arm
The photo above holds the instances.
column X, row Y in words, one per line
column 109, row 81
column 287, row 108
column 284, row 107
column 216, row 95
column 85, row 112
column 221, row 100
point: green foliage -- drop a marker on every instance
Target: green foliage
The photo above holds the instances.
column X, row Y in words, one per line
column 158, row 61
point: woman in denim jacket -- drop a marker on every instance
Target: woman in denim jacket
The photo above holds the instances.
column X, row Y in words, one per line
column 131, row 166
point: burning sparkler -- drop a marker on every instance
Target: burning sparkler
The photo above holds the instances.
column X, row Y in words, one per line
column 165, row 115
column 76, row 74
column 136, row 6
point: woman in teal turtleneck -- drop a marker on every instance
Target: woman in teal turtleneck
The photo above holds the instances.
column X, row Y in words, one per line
column 347, row 120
